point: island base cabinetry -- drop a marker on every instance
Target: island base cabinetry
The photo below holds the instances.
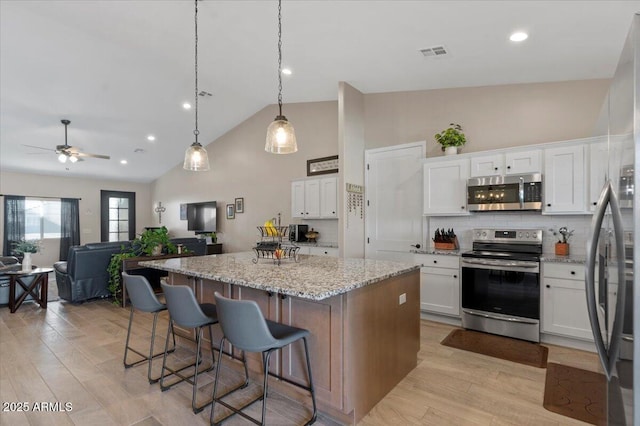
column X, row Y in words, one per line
column 362, row 343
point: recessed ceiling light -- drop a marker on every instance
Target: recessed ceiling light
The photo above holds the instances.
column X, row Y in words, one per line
column 186, row 105
column 151, row 138
column 518, row 36
column 123, row 161
column 286, row 71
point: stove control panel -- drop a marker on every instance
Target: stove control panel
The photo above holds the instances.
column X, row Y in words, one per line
column 528, row 236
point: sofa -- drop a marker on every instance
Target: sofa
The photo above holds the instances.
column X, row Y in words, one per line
column 84, row 275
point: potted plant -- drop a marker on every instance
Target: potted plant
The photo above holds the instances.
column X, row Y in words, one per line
column 562, row 246
column 25, row 248
column 451, row 138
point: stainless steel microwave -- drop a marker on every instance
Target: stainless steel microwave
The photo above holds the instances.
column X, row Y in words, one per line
column 504, row 193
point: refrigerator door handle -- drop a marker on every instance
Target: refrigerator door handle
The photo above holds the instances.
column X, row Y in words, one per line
column 592, row 247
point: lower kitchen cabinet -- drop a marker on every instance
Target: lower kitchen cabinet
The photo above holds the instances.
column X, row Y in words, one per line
column 321, row 251
column 440, row 284
column 564, row 301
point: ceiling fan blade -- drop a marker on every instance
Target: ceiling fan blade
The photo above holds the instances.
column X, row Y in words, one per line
column 85, row 154
column 38, row 147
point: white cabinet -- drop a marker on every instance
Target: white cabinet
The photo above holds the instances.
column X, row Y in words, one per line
column 329, row 197
column 508, row 163
column 564, row 302
column 315, row 198
column 440, row 284
column 598, row 153
column 445, row 187
column 564, row 180
column 320, row 251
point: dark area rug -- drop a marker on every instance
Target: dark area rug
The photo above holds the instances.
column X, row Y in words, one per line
column 515, row 350
column 576, row 393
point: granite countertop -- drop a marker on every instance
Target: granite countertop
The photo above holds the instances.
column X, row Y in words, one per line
column 435, row 251
column 554, row 258
column 312, row 277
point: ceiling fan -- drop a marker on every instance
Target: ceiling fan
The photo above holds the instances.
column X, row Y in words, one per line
column 66, row 152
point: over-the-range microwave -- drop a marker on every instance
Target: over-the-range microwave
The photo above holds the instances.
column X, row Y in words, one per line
column 504, row 193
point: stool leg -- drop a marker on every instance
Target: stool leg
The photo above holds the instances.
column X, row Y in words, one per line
column 126, row 346
column 164, row 357
column 265, row 386
column 215, row 383
column 311, row 388
column 151, row 347
column 195, row 408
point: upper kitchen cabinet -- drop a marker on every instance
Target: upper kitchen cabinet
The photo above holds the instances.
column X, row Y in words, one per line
column 564, row 180
column 445, row 183
column 508, row 163
column 315, row 198
column 597, row 171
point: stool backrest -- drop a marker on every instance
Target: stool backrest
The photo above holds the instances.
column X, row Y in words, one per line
column 141, row 294
column 243, row 324
column 183, row 307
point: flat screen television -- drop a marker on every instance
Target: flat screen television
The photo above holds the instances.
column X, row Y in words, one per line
column 201, row 217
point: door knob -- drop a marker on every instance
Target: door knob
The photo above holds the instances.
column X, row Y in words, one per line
column 416, row 245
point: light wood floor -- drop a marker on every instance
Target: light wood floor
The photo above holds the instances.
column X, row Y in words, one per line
column 73, row 354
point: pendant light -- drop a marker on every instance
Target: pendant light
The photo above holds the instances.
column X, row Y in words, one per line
column 281, row 138
column 196, row 158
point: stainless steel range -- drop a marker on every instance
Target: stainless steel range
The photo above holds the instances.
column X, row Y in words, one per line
column 501, row 283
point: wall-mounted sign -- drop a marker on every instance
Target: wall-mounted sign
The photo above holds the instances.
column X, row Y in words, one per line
column 322, row 166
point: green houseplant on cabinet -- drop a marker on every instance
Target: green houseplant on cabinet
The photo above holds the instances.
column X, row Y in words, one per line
column 151, row 242
column 451, row 138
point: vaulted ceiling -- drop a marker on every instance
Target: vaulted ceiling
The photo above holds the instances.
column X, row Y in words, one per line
column 120, row 70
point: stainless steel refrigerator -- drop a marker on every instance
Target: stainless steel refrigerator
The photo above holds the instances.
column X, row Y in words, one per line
column 611, row 286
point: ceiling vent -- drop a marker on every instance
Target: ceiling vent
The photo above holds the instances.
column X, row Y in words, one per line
column 436, row 51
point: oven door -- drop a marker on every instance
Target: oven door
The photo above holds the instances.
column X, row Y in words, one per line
column 508, row 288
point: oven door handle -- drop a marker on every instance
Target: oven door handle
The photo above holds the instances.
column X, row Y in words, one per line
column 501, row 265
column 499, row 317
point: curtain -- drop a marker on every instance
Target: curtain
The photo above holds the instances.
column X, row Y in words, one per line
column 13, row 222
column 69, row 226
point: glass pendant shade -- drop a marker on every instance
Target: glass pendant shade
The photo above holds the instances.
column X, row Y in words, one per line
column 281, row 137
column 62, row 158
column 196, row 158
column 73, row 159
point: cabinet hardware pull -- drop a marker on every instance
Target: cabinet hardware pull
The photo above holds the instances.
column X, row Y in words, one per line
column 508, row 167
column 269, row 294
column 455, row 276
column 462, row 207
column 435, row 261
column 283, row 296
column 548, row 286
column 573, row 272
column 548, row 205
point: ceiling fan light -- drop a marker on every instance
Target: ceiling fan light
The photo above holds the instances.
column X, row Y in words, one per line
column 73, row 159
column 196, row 158
column 62, row 158
column 281, row 137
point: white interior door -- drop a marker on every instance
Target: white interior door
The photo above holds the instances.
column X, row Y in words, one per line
column 393, row 185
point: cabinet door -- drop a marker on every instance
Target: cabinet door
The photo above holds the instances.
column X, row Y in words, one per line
column 523, row 162
column 445, row 187
column 598, row 154
column 564, row 180
column 440, row 290
column 297, row 199
column 312, row 198
column 324, row 320
column 329, row 197
column 487, row 165
column 564, row 308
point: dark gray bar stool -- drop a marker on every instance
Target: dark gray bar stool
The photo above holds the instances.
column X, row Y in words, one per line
column 186, row 312
column 245, row 327
column 143, row 299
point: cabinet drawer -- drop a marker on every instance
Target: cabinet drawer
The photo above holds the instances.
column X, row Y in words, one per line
column 323, row 251
column 567, row 271
column 439, row 261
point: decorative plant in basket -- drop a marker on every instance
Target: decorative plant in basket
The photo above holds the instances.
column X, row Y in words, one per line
column 562, row 246
column 451, row 138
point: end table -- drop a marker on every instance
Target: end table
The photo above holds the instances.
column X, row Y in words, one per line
column 40, row 276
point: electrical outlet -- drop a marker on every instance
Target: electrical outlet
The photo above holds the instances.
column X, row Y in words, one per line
column 402, row 299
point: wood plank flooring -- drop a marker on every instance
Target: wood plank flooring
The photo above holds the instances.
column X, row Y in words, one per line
column 73, row 354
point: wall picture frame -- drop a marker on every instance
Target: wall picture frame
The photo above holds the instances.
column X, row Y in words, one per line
column 239, row 205
column 322, row 166
column 231, row 212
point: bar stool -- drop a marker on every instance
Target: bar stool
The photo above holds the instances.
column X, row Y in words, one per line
column 245, row 327
column 143, row 299
column 186, row 312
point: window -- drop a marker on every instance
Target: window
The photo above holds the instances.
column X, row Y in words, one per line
column 42, row 219
column 118, row 215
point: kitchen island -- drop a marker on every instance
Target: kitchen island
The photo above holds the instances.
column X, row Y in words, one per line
column 363, row 316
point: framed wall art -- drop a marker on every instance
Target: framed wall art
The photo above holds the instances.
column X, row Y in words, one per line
column 231, row 212
column 239, row 205
column 322, row 166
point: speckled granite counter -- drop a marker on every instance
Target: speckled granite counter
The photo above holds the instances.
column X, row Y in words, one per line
column 553, row 258
column 313, row 277
column 439, row 252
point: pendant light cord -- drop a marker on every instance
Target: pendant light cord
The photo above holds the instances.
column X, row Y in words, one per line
column 196, row 132
column 280, row 56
